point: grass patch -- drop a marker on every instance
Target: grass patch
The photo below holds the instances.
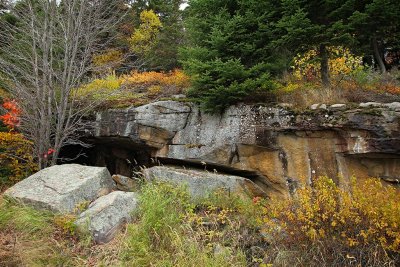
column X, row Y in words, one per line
column 163, row 235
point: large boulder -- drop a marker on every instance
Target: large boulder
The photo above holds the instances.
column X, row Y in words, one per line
column 107, row 214
column 61, row 188
column 201, row 183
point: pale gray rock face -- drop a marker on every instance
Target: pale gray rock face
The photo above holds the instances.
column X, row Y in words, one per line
column 394, row 105
column 201, row 183
column 151, row 125
column 338, row 106
column 107, row 214
column 370, row 104
column 61, row 188
column 283, row 146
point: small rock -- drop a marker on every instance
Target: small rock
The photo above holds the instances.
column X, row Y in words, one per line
column 370, row 104
column 285, row 105
column 323, row 106
column 180, row 96
column 107, row 214
column 394, row 105
column 314, row 106
column 338, row 106
column 125, row 183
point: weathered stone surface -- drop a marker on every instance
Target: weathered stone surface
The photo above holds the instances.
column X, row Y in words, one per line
column 394, row 105
column 107, row 214
column 338, row 106
column 151, row 125
column 125, row 183
column 61, row 188
column 370, row 104
column 282, row 146
column 201, row 183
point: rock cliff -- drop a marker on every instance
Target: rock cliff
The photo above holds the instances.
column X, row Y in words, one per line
column 275, row 146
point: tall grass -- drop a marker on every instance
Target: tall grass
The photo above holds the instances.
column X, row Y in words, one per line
column 160, row 238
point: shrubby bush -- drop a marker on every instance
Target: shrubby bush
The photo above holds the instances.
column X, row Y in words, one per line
column 16, row 160
column 136, row 88
column 328, row 225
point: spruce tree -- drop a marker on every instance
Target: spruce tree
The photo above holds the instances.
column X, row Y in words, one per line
column 229, row 57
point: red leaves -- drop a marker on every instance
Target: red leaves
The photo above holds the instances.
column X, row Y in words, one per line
column 11, row 118
column 49, row 152
column 256, row 200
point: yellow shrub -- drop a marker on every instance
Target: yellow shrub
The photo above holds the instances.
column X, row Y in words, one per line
column 136, row 88
column 341, row 62
column 369, row 216
column 16, row 160
column 100, row 87
column 176, row 78
column 108, row 60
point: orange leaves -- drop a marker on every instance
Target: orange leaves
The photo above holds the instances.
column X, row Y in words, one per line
column 11, row 118
column 176, row 78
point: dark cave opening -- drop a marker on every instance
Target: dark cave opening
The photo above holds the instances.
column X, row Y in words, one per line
column 120, row 156
column 125, row 157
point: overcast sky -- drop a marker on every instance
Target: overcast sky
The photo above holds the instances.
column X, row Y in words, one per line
column 183, row 6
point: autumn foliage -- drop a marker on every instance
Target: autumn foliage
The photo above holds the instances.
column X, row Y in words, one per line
column 11, row 118
column 16, row 161
column 361, row 224
column 136, row 88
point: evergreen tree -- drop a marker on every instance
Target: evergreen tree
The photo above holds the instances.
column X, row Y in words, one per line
column 376, row 26
column 229, row 54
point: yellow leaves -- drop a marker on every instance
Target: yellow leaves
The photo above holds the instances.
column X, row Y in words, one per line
column 341, row 62
column 144, row 38
column 370, row 215
column 352, row 242
column 3, row 93
column 107, row 60
column 16, row 160
column 100, row 87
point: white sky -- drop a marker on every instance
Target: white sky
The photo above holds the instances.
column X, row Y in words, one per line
column 183, row 6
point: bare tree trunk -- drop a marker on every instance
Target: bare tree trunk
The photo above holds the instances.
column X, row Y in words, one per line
column 377, row 55
column 45, row 59
column 323, row 52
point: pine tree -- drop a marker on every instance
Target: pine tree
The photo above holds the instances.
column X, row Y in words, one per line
column 376, row 26
column 229, row 57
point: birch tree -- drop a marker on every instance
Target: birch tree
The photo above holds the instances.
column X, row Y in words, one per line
column 44, row 58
